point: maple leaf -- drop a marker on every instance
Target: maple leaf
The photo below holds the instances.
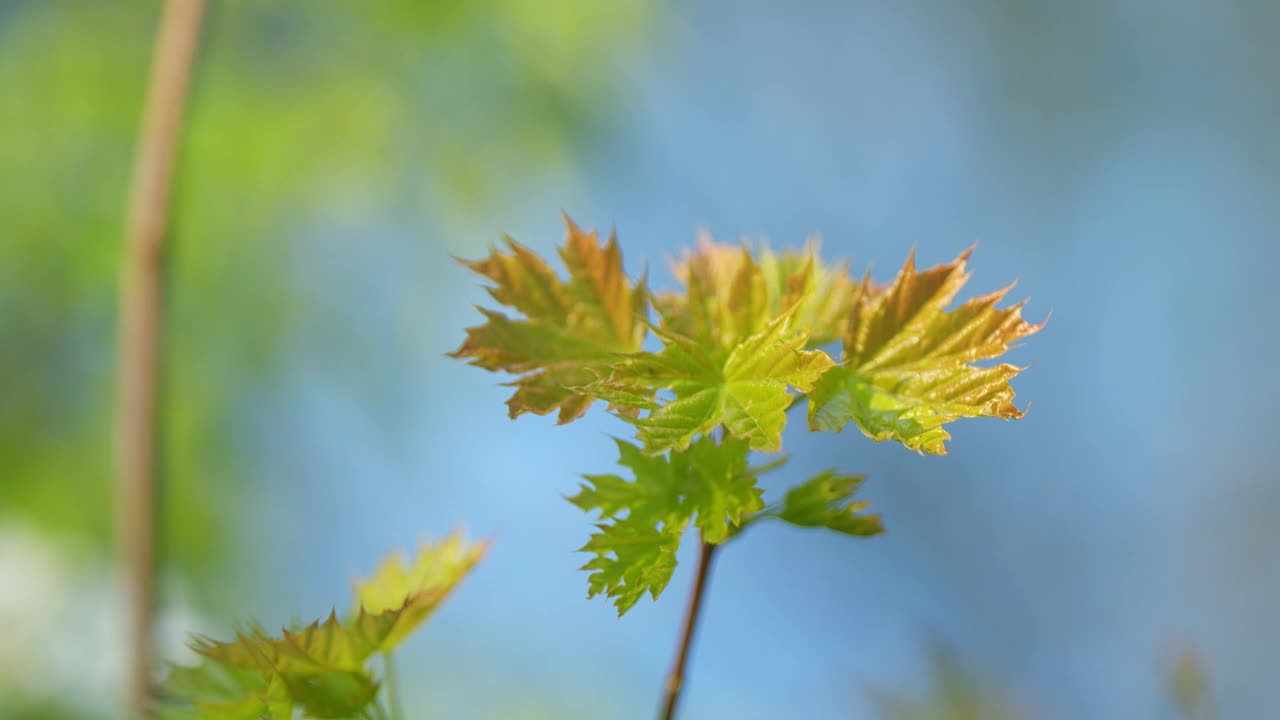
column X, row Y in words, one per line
column 569, row 327
column 399, row 596
column 322, row 666
column 709, row 484
column 907, row 363
column 214, row 691
column 728, row 295
column 825, row 292
column 824, row 501
column 653, row 497
column 297, row 666
column 632, row 558
column 745, row 388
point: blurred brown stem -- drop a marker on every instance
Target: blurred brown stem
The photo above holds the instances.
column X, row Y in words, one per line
column 675, row 679
column 139, row 335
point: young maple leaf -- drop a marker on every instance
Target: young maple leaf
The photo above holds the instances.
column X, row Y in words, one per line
column 213, row 691
column 321, row 666
column 744, row 387
column 400, row 596
column 825, row 292
column 907, row 364
column 569, row 328
column 823, row 501
column 644, row 519
column 728, row 295
column 295, row 668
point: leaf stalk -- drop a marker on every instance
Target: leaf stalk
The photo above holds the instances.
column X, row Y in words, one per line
column 675, row 679
column 393, row 688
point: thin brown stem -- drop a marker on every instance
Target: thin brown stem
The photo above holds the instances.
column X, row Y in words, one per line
column 139, row 335
column 675, row 679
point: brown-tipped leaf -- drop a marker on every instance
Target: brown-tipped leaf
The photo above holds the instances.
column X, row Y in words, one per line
column 908, row 367
column 570, row 330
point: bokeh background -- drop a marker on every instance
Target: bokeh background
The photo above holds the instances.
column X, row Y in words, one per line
column 1119, row 157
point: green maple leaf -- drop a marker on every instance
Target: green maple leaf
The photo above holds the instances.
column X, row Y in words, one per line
column 569, row 327
column 728, row 295
column 709, row 484
column 297, row 664
column 907, row 363
column 824, row 501
column 746, row 387
column 632, row 558
column 721, row 489
column 654, row 496
column 214, row 691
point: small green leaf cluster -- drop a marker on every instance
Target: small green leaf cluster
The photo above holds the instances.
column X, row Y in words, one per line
column 321, row 670
column 742, row 343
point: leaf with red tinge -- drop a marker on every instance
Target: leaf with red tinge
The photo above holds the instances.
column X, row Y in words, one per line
column 728, row 295
column 570, row 329
column 907, row 366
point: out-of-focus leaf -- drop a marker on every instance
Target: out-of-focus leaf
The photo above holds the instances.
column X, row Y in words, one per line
column 322, row 666
column 908, row 367
column 953, row 695
column 217, row 691
column 746, row 388
column 826, row 292
column 400, row 596
column 728, row 295
column 301, row 662
column 1191, row 688
column 825, row 501
column 330, row 694
column 569, row 328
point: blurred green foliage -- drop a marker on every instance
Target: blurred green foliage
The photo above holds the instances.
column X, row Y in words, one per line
column 300, row 113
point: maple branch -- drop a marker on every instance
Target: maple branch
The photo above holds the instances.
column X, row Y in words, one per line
column 139, row 338
column 675, row 679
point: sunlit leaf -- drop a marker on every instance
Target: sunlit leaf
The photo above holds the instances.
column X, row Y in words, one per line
column 728, row 295
column 720, row 490
column 908, row 367
column 568, row 329
column 746, row 388
column 401, row 595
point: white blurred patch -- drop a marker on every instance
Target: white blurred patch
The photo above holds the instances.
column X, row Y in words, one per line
column 59, row 620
